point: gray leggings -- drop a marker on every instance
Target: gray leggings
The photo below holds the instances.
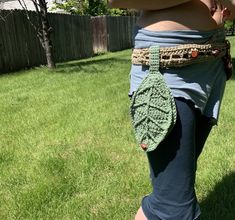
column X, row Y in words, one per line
column 173, row 167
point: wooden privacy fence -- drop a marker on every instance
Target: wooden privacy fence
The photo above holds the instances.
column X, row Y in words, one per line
column 73, row 37
column 112, row 33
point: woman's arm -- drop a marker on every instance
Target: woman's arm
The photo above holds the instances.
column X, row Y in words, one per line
column 146, row 4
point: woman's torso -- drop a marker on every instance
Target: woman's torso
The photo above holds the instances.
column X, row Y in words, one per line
column 193, row 15
column 188, row 23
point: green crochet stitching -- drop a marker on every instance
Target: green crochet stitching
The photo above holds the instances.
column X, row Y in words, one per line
column 152, row 109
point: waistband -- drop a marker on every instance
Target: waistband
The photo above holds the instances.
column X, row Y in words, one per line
column 144, row 38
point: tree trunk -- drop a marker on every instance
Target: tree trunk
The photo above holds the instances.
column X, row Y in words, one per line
column 46, row 32
column 48, row 50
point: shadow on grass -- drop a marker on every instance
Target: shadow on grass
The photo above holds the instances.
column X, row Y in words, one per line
column 89, row 66
column 220, row 203
column 85, row 65
column 233, row 76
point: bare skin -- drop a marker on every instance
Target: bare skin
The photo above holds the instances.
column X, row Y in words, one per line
column 177, row 14
column 182, row 17
column 162, row 15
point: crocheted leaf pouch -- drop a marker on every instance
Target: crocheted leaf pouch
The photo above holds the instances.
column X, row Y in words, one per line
column 152, row 109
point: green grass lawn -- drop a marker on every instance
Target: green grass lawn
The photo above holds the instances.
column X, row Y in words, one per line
column 67, row 149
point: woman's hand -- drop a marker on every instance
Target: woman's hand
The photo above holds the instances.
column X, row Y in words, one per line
column 220, row 9
column 229, row 4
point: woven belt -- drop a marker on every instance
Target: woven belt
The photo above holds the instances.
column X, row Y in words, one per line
column 182, row 55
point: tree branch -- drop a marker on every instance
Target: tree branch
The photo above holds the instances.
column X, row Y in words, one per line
column 2, row 18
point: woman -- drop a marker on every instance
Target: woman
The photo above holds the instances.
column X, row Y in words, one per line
column 197, row 90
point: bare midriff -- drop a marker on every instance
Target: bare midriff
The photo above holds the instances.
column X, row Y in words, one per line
column 193, row 15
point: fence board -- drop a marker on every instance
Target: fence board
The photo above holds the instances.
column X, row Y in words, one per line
column 2, row 44
column 120, row 32
column 73, row 37
column 99, row 34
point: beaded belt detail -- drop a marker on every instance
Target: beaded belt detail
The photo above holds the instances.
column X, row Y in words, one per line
column 182, row 55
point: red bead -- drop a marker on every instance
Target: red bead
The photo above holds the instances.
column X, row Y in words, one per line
column 144, row 146
column 194, row 53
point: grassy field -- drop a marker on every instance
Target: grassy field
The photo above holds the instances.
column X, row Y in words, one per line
column 67, row 149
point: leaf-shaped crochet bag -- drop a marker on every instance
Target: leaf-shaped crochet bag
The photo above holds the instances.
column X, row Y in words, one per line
column 152, row 109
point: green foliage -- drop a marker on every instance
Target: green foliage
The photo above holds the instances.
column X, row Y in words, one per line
column 97, row 7
column 118, row 12
column 228, row 25
column 90, row 7
column 73, row 6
